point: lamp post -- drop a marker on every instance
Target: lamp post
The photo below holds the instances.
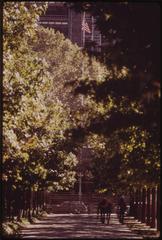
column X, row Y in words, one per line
column 82, row 156
column 80, row 175
column 80, row 186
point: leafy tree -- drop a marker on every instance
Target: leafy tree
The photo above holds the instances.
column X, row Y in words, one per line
column 32, row 121
column 19, row 71
column 127, row 100
column 68, row 65
column 124, row 159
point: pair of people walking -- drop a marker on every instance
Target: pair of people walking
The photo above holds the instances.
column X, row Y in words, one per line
column 104, row 209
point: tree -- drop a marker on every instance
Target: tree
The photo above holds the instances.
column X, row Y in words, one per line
column 128, row 99
column 68, row 65
column 23, row 77
column 32, row 123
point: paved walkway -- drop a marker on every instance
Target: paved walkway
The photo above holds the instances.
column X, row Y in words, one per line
column 77, row 226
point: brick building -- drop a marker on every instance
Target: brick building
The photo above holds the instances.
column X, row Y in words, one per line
column 66, row 20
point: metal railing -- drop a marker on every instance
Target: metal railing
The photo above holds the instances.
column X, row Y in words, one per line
column 54, row 17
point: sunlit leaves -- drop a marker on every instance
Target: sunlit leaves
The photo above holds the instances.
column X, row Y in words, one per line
column 19, row 23
column 126, row 158
column 51, row 86
column 33, row 122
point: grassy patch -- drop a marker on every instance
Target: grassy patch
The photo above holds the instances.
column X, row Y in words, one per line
column 11, row 229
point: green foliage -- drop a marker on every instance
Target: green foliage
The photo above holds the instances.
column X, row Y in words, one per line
column 68, row 65
column 123, row 125
column 56, row 97
column 127, row 158
column 19, row 23
column 10, row 229
column 33, row 121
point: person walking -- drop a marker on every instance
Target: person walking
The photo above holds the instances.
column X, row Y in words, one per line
column 108, row 210
column 122, row 209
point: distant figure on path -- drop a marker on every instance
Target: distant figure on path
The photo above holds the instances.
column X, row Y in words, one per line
column 122, row 208
column 108, row 211
column 104, row 209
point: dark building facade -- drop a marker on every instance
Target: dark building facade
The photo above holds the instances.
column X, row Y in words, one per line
column 67, row 21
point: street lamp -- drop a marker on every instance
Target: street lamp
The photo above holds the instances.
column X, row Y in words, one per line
column 80, row 178
column 80, row 175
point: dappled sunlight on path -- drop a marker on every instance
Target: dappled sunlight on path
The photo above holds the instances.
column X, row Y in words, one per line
column 77, row 226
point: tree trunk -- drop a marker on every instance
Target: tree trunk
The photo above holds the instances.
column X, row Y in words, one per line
column 37, row 204
column 136, row 204
column 29, row 203
column 158, row 208
column 140, row 205
column 153, row 209
column 132, row 205
column 148, row 208
column 34, row 204
column 143, row 205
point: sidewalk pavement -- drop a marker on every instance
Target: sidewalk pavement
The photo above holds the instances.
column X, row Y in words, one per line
column 74, row 226
column 141, row 228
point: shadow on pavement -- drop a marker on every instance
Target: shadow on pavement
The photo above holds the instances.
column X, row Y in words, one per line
column 77, row 226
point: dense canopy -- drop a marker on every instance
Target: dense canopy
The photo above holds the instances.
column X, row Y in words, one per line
column 58, row 98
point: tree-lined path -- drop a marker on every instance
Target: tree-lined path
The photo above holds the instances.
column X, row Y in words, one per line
column 77, row 226
column 80, row 119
